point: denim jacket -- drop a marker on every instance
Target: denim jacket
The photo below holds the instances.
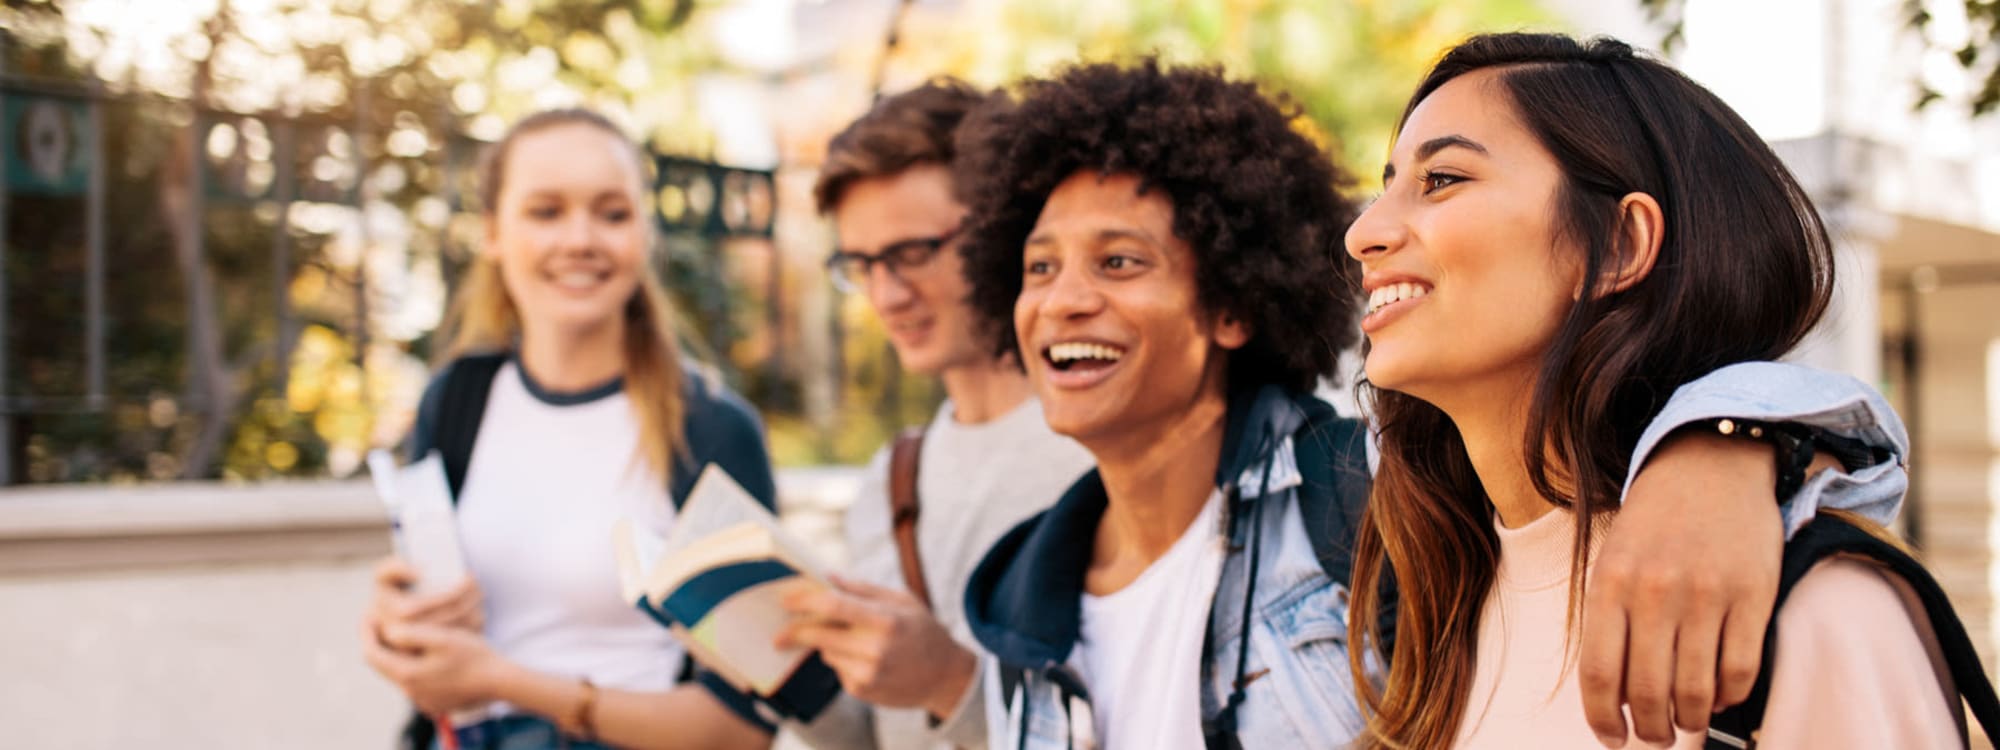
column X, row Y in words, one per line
column 1290, row 507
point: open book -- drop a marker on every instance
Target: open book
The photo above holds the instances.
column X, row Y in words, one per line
column 717, row 581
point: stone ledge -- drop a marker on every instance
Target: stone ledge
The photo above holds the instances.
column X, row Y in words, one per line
column 98, row 527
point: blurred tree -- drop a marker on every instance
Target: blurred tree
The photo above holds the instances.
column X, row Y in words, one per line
column 402, row 89
column 392, row 89
column 1349, row 66
column 1972, row 41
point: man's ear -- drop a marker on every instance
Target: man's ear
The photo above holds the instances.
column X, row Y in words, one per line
column 1231, row 332
column 1641, row 229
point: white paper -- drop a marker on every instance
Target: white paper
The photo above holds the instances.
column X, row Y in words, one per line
column 420, row 513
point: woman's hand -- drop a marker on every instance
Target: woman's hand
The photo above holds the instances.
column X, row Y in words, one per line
column 430, row 645
column 442, row 669
column 395, row 603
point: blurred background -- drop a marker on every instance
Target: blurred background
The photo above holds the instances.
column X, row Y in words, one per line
column 229, row 228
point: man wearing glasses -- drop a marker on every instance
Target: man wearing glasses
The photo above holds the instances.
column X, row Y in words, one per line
column 933, row 502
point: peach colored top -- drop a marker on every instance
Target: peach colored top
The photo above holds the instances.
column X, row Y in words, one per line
column 1856, row 666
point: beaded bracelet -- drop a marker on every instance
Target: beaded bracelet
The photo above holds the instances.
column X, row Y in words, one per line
column 1792, row 446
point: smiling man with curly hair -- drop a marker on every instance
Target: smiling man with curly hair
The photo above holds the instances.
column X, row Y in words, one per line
column 1250, row 199
column 1162, row 247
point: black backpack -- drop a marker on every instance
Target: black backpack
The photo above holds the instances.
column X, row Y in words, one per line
column 1330, row 505
column 461, row 407
column 1736, row 728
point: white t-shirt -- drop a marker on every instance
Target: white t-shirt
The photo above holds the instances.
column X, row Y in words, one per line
column 1140, row 647
column 548, row 476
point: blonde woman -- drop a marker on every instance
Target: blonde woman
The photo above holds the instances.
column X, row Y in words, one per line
column 565, row 407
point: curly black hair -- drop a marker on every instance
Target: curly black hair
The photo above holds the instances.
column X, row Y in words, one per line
column 1256, row 200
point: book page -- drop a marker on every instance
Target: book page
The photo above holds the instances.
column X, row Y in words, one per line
column 717, row 503
column 743, row 542
column 709, row 659
column 740, row 631
column 638, row 550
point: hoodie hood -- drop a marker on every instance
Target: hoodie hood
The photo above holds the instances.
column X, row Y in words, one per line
column 1023, row 602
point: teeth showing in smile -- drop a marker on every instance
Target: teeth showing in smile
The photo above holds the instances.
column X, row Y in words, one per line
column 577, row 279
column 1394, row 293
column 1067, row 353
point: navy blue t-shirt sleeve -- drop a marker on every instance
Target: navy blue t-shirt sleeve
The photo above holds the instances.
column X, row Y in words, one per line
column 720, row 428
column 743, row 706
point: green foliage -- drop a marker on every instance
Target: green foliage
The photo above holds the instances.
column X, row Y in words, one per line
column 1348, row 66
column 416, row 81
column 406, row 79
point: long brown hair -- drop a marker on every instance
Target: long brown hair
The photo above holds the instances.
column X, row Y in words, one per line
column 483, row 317
column 1743, row 272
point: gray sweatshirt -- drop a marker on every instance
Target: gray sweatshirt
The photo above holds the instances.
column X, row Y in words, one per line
column 974, row 483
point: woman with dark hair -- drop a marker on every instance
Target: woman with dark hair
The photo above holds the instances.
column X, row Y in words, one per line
column 1567, row 234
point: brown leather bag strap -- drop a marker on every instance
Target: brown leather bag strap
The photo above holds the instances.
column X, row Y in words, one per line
column 903, row 506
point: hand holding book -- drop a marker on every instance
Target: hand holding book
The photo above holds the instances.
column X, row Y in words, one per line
column 885, row 644
column 718, row 581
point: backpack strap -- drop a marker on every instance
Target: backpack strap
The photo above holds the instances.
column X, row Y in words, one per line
column 1736, row 728
column 1332, row 500
column 904, row 507
column 460, row 409
column 1332, row 514
column 418, row 733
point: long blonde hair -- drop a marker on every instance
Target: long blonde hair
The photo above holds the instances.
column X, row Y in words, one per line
column 483, row 317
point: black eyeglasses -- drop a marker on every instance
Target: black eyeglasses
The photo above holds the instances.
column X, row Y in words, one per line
column 850, row 270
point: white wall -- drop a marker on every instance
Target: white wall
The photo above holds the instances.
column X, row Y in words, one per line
column 255, row 647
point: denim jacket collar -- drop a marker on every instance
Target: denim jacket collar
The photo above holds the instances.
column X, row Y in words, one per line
column 1023, row 600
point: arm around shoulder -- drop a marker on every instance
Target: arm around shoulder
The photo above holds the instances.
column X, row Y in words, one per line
column 1807, row 396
